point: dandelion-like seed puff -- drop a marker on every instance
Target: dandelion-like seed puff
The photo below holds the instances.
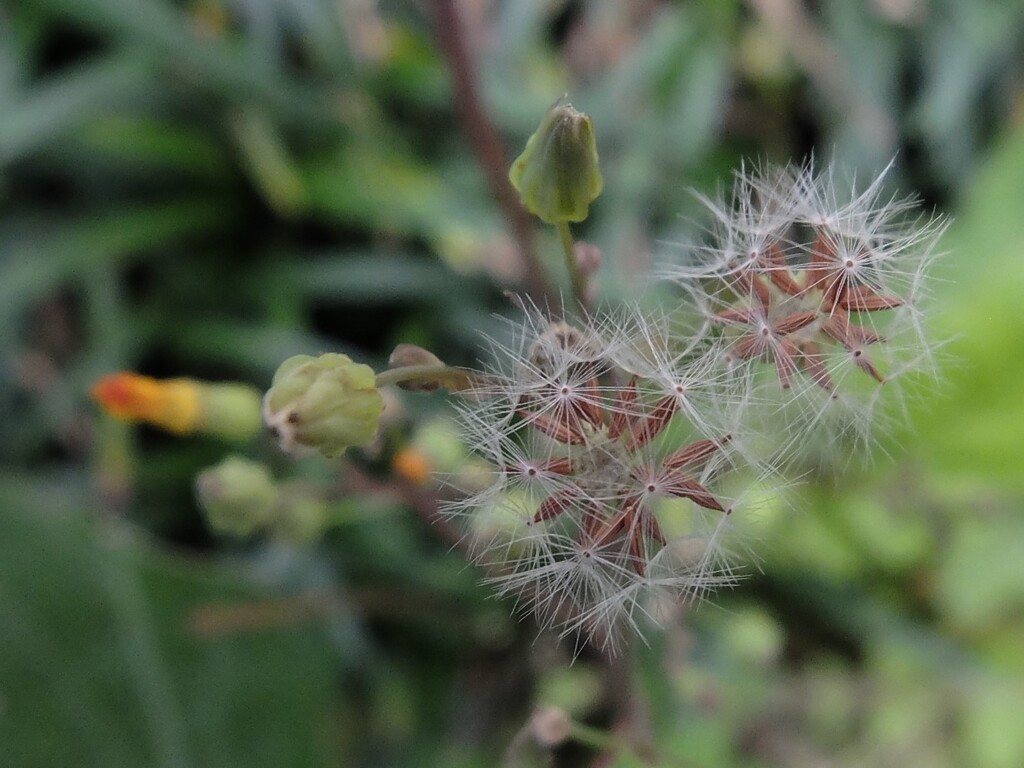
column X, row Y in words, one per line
column 606, row 444
column 613, row 442
column 819, row 293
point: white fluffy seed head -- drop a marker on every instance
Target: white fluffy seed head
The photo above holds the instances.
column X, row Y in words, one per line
column 607, row 443
column 817, row 293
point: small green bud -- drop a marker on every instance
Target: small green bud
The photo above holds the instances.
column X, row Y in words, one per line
column 557, row 175
column 326, row 403
column 238, row 496
column 301, row 515
column 230, row 410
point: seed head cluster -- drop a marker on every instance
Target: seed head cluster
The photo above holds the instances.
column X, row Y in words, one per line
column 616, row 445
column 606, row 447
column 819, row 298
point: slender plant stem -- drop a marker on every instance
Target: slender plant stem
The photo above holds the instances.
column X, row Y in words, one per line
column 593, row 737
column 445, row 375
column 576, row 278
column 488, row 147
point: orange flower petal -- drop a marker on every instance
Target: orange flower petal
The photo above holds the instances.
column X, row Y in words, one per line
column 173, row 405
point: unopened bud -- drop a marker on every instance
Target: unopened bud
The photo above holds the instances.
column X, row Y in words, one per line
column 410, row 355
column 183, row 406
column 557, row 175
column 419, row 370
column 301, row 514
column 550, row 726
column 230, row 410
column 553, row 345
column 237, row 496
column 405, row 355
column 327, row 404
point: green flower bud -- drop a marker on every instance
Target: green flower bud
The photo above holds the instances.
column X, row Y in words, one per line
column 301, row 515
column 230, row 410
column 326, row 403
column 238, row 496
column 557, row 175
column 182, row 406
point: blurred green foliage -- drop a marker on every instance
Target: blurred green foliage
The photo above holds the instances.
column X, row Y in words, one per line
column 205, row 188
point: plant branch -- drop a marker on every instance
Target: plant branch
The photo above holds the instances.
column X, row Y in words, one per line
column 428, row 375
column 487, row 146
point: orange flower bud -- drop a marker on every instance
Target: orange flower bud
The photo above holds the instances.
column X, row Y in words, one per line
column 172, row 404
column 412, row 465
column 229, row 410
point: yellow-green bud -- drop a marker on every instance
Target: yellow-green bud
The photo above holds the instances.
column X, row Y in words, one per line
column 557, row 175
column 230, row 410
column 182, row 406
column 238, row 496
column 301, row 515
column 326, row 403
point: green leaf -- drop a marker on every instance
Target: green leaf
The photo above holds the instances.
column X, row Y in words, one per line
column 161, row 31
column 64, row 102
column 371, row 278
column 105, row 664
column 156, row 145
column 38, row 260
column 371, row 184
column 970, row 432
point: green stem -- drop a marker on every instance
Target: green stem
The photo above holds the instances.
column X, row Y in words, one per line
column 592, row 737
column 576, row 278
column 445, row 374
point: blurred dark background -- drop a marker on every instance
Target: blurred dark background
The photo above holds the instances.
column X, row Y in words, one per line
column 205, row 188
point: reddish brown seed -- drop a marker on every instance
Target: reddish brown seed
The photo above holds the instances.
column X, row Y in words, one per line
column 862, row 336
column 555, row 504
column 588, row 403
column 592, row 521
column 838, row 285
column 654, row 529
column 621, row 418
column 653, row 424
column 795, row 322
column 850, row 335
column 562, row 466
column 753, row 287
column 785, row 362
column 814, row 363
column 695, row 454
column 750, row 346
column 636, row 550
column 686, row 487
column 563, row 432
column 838, row 327
column 864, row 363
column 863, row 298
column 823, row 255
column 779, row 271
column 739, row 315
column 612, row 527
